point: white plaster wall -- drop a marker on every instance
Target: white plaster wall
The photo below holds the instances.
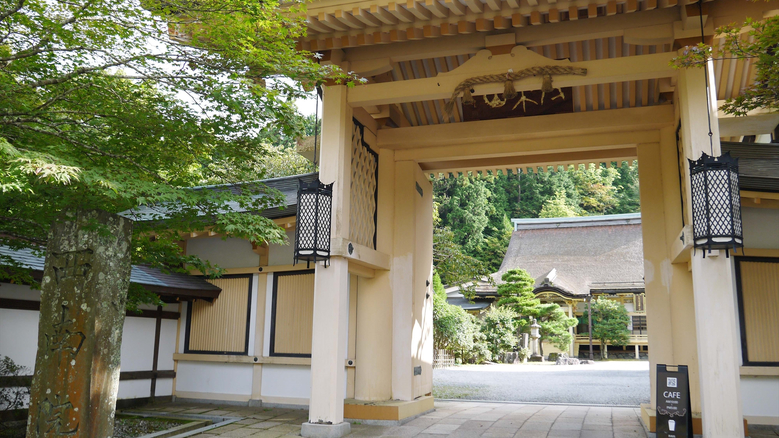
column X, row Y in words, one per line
column 134, row 389
column 138, row 344
column 761, row 227
column 230, row 253
column 164, row 387
column 183, row 331
column 217, row 378
column 760, row 397
column 167, row 345
column 19, row 336
column 267, row 319
column 282, row 254
column 286, row 381
column 253, row 315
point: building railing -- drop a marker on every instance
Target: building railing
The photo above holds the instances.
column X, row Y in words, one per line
column 634, row 339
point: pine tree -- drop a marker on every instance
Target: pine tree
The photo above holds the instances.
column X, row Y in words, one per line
column 610, row 322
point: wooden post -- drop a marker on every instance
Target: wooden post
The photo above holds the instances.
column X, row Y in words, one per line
column 155, row 360
column 84, row 290
column 589, row 321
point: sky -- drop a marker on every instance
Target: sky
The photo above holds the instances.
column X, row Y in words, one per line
column 308, row 106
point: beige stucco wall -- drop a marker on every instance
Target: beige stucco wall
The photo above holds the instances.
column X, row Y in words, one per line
column 373, row 373
column 228, row 253
column 669, row 295
column 422, row 334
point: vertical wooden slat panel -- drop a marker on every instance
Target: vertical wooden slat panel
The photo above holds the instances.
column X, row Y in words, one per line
column 294, row 314
column 760, row 295
column 220, row 326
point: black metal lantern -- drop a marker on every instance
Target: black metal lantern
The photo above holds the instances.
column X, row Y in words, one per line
column 312, row 231
column 716, row 203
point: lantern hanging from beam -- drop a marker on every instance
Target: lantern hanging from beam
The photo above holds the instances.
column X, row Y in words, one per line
column 312, row 231
column 716, row 203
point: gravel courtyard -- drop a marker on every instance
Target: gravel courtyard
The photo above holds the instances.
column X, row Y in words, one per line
column 617, row 383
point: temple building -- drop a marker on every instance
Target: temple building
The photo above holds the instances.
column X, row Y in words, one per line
column 574, row 260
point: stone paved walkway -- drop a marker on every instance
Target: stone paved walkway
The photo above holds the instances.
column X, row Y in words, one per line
column 450, row 419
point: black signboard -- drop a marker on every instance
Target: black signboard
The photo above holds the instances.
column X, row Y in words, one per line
column 674, row 414
column 527, row 103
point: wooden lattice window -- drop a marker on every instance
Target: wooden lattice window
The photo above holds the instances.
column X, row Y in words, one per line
column 365, row 175
column 757, row 281
column 221, row 326
column 638, row 302
column 292, row 314
column 639, row 325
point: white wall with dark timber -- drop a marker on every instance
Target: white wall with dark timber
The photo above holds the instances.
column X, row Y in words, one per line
column 19, row 341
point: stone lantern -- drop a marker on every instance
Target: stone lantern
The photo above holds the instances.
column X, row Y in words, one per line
column 535, row 335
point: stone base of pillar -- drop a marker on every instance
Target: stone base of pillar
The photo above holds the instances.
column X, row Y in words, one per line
column 536, row 358
column 317, row 430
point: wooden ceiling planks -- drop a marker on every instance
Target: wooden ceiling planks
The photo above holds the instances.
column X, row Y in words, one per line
column 434, row 18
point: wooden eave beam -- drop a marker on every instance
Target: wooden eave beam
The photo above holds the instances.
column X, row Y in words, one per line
column 603, row 71
column 513, row 148
column 620, row 124
column 534, row 160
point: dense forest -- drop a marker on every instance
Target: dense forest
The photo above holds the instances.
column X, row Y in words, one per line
column 473, row 212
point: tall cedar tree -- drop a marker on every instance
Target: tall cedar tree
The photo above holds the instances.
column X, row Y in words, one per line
column 116, row 105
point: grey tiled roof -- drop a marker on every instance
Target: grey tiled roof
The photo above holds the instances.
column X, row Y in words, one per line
column 153, row 279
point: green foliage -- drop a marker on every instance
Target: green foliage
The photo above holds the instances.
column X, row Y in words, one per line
column 558, row 206
column 454, row 266
column 454, row 329
column 595, row 186
column 101, row 109
column 297, row 126
column 499, row 327
column 610, row 322
column 759, row 44
column 554, row 325
column 438, row 286
column 465, row 205
column 281, row 161
column 517, row 294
